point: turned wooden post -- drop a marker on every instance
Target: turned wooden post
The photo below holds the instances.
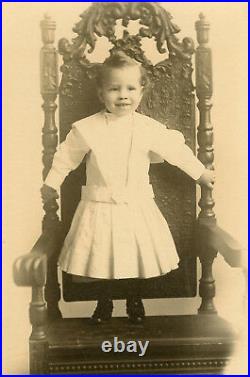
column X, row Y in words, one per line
column 38, row 314
column 204, row 90
column 49, row 91
column 38, row 341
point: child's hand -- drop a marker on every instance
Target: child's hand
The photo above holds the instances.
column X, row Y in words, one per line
column 207, row 179
column 48, row 193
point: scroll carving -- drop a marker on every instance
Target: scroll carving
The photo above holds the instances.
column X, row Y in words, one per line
column 100, row 20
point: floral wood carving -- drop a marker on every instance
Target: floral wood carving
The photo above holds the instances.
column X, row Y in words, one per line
column 100, row 20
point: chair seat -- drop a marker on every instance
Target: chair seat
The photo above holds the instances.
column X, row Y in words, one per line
column 177, row 344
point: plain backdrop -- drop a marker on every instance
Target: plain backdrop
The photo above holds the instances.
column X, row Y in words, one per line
column 22, row 124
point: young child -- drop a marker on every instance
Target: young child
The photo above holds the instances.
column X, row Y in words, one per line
column 117, row 231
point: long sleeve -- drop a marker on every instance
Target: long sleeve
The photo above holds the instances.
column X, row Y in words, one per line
column 170, row 144
column 68, row 156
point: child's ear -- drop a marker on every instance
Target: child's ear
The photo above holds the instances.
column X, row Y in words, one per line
column 100, row 95
column 142, row 91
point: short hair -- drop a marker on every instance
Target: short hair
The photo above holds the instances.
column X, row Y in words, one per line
column 120, row 60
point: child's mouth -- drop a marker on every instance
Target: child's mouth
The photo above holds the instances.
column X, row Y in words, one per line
column 123, row 104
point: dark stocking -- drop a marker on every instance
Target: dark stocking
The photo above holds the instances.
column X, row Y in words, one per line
column 134, row 304
column 104, row 308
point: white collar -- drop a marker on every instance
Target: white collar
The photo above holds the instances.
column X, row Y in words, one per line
column 113, row 118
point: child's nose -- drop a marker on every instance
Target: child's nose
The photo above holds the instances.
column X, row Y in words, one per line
column 123, row 94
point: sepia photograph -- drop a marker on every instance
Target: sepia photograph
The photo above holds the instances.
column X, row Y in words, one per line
column 125, row 188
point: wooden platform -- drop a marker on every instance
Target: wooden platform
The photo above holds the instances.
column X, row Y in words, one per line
column 177, row 344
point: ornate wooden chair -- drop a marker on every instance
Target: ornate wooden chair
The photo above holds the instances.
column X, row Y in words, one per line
column 199, row 343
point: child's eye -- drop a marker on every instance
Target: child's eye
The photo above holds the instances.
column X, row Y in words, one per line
column 113, row 89
column 131, row 88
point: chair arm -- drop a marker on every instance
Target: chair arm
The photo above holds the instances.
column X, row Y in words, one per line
column 211, row 236
column 31, row 269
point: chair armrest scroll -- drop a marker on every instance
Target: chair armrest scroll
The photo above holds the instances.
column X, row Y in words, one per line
column 211, row 236
column 31, row 269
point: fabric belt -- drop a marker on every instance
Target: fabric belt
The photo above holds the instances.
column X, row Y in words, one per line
column 116, row 195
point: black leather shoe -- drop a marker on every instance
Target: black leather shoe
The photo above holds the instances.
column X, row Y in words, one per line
column 135, row 310
column 103, row 311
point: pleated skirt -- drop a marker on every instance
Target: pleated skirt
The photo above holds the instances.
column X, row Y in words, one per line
column 118, row 241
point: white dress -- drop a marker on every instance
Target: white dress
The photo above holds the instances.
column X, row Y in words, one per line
column 118, row 231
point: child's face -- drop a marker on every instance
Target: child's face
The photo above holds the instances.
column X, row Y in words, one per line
column 121, row 91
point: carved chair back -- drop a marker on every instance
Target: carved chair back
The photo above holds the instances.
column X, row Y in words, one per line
column 169, row 99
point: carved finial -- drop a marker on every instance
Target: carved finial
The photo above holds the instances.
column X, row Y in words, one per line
column 47, row 22
column 202, row 27
column 48, row 27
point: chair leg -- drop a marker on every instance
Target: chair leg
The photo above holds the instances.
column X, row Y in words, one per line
column 38, row 357
column 207, row 284
column 38, row 338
